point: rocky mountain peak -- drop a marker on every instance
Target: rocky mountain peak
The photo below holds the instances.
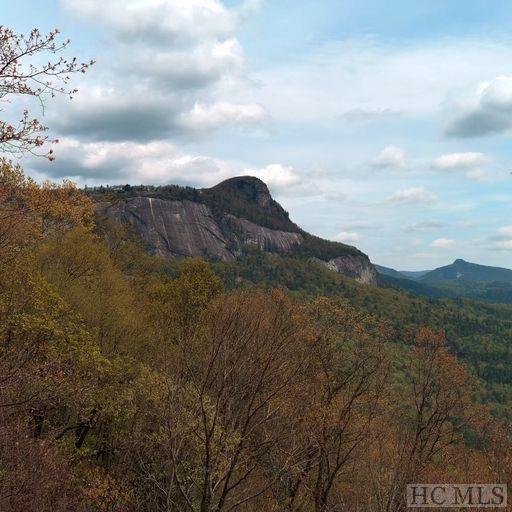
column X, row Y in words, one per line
column 249, row 188
column 223, row 223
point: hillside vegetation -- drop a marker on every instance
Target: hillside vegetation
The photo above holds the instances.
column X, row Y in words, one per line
column 460, row 279
column 134, row 383
column 478, row 332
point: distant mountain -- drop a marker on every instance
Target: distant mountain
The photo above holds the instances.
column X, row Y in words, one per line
column 391, row 272
column 223, row 223
column 460, row 279
column 400, row 274
column 413, row 286
column 463, row 271
column 414, row 274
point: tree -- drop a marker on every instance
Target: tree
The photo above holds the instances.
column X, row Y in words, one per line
column 19, row 75
column 29, row 212
column 175, row 305
column 434, row 408
column 234, row 376
column 54, row 382
column 345, row 382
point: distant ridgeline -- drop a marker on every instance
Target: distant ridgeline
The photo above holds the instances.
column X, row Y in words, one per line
column 221, row 222
column 459, row 279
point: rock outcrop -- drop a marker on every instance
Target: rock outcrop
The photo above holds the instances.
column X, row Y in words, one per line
column 221, row 222
column 357, row 267
column 172, row 228
column 185, row 228
column 270, row 240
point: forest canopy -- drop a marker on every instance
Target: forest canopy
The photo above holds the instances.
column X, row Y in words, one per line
column 134, row 383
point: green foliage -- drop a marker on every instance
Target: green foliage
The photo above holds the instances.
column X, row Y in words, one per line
column 316, row 247
column 460, row 279
column 480, row 333
column 154, row 385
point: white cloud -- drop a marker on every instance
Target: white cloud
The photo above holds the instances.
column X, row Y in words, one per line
column 412, row 195
column 505, row 230
column 443, row 243
column 347, row 236
column 115, row 113
column 157, row 162
column 390, row 156
column 158, row 21
column 165, row 60
column 490, row 114
column 426, row 226
column 497, row 93
column 276, row 176
column 128, row 162
column 222, row 113
column 457, row 161
column 193, row 67
column 120, row 115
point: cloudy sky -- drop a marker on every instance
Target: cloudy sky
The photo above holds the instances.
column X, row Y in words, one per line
column 385, row 124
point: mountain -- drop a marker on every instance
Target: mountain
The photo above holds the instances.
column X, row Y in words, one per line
column 413, row 286
column 390, row 272
column 400, row 274
column 223, row 223
column 414, row 274
column 465, row 279
column 460, row 279
column 463, row 271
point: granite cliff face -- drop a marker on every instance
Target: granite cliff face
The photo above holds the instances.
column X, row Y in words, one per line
column 185, row 228
column 270, row 240
column 173, row 228
column 221, row 222
column 357, row 267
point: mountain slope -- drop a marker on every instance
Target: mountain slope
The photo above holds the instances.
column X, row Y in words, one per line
column 415, row 287
column 222, row 223
column 482, row 282
column 391, row 272
column 463, row 271
column 414, row 274
column 460, row 279
column 479, row 332
column 400, row 274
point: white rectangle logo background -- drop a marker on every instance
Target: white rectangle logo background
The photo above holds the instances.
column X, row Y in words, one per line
column 457, row 495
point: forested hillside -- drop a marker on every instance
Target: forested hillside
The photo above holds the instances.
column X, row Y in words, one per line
column 460, row 279
column 130, row 382
column 478, row 332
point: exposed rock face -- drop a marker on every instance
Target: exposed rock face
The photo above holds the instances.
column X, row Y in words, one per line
column 185, row 228
column 356, row 267
column 190, row 222
column 270, row 240
column 173, row 228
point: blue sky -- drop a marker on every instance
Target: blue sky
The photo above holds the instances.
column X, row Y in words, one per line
column 383, row 124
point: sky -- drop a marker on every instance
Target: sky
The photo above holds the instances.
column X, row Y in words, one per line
column 383, row 124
